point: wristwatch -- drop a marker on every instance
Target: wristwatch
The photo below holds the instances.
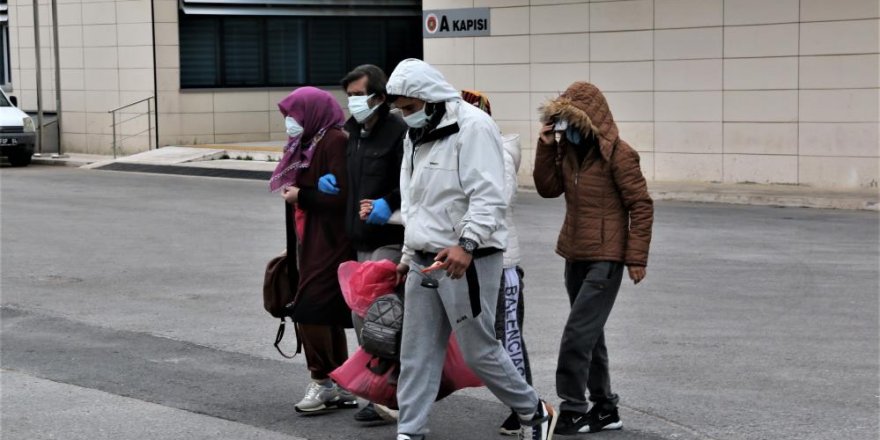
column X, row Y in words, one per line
column 468, row 245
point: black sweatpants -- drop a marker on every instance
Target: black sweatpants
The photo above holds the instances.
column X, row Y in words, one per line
column 583, row 358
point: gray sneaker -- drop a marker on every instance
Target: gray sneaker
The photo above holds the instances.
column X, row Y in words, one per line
column 320, row 397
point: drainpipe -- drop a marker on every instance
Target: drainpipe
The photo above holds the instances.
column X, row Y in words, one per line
column 58, row 112
column 39, row 79
column 155, row 72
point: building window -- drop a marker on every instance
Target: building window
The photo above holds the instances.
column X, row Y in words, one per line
column 255, row 51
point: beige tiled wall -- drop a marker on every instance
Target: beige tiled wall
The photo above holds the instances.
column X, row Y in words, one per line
column 106, row 60
column 782, row 91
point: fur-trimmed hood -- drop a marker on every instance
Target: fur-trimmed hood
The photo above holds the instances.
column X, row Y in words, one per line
column 584, row 106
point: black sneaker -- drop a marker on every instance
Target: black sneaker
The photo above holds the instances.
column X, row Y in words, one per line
column 541, row 425
column 571, row 423
column 602, row 419
column 368, row 415
column 510, row 426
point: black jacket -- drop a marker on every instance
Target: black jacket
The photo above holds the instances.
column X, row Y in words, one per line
column 374, row 161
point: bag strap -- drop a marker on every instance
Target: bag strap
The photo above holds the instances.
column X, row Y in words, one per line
column 280, row 335
column 290, row 239
column 292, row 244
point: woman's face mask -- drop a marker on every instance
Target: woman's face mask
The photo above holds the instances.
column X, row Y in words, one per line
column 417, row 119
column 359, row 107
column 573, row 134
column 293, row 127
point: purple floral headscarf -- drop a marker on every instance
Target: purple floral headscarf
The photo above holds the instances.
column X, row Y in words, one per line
column 316, row 111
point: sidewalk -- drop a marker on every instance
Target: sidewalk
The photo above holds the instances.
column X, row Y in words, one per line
column 260, row 159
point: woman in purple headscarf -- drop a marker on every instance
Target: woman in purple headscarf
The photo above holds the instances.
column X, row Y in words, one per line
column 316, row 147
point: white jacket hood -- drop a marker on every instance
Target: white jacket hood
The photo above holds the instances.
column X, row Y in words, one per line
column 415, row 78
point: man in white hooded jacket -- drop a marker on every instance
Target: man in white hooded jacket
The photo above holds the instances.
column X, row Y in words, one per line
column 453, row 208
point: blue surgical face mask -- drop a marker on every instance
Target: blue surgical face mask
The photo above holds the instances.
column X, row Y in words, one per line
column 360, row 107
column 293, row 127
column 417, row 119
column 573, row 134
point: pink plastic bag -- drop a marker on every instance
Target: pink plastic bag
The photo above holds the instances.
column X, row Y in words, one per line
column 456, row 373
column 361, row 283
column 355, row 376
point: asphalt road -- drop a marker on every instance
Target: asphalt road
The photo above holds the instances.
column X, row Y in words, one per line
column 131, row 309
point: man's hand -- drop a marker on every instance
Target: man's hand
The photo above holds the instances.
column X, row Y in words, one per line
column 402, row 271
column 290, row 194
column 380, row 212
column 455, row 261
column 546, row 134
column 366, row 208
column 637, row 273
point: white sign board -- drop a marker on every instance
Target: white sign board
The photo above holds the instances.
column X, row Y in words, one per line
column 440, row 23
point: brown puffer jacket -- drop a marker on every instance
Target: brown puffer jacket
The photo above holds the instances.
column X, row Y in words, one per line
column 609, row 213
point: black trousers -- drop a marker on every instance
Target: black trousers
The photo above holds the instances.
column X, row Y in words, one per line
column 583, row 358
column 325, row 347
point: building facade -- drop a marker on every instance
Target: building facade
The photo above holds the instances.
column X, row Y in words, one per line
column 762, row 91
column 765, row 91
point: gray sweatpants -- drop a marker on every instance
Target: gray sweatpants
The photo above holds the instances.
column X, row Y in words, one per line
column 429, row 317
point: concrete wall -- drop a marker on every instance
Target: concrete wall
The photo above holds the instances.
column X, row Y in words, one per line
column 781, row 91
column 106, row 58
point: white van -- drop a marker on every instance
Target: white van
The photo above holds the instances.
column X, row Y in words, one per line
column 17, row 135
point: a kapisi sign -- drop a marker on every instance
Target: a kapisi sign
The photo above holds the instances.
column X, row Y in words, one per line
column 439, row 23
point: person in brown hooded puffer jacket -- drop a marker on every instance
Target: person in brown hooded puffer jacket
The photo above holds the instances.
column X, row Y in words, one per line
column 607, row 226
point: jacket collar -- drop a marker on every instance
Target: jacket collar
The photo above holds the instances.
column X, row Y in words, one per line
column 447, row 126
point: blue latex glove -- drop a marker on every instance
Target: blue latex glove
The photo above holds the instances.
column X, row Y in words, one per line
column 380, row 214
column 327, row 184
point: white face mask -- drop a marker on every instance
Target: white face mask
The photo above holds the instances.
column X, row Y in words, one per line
column 417, row 119
column 360, row 108
column 293, row 127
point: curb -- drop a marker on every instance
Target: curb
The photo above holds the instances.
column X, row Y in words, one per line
column 64, row 162
column 864, row 201
column 779, row 201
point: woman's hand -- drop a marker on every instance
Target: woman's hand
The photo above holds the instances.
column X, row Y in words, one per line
column 546, row 134
column 327, row 185
column 637, row 273
column 290, row 194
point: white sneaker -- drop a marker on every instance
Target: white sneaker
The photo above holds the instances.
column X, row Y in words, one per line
column 320, row 397
column 386, row 413
column 542, row 424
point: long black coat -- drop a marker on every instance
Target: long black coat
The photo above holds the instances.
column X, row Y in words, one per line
column 323, row 243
